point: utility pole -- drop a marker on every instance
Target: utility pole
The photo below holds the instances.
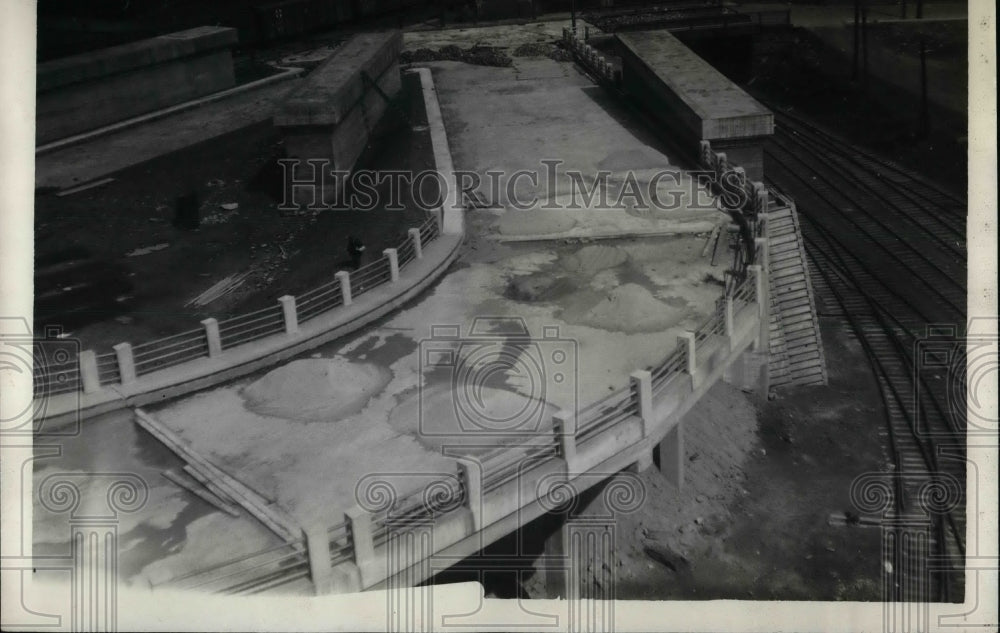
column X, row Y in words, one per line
column 864, row 44
column 920, row 9
column 857, row 17
column 924, row 113
column 572, row 13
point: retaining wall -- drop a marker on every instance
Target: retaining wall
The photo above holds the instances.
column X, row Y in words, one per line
column 83, row 92
column 331, row 116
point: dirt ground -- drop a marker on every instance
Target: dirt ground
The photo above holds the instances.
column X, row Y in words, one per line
column 762, row 479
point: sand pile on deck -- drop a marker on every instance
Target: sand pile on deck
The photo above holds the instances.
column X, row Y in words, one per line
column 314, row 390
column 629, row 308
column 593, row 258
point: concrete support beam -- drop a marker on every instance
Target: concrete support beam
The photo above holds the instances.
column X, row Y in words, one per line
column 393, row 257
column 211, row 326
column 318, row 551
column 89, row 376
column 126, row 363
column 418, row 247
column 764, row 293
column 290, row 314
column 345, row 286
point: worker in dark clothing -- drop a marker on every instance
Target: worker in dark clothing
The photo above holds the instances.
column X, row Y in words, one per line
column 356, row 249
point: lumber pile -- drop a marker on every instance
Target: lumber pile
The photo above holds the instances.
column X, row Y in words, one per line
column 222, row 490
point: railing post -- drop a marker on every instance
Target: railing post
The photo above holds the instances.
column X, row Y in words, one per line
column 291, row 316
column 471, row 473
column 730, row 326
column 318, row 551
column 418, row 247
column 345, row 286
column 759, row 297
column 764, row 293
column 393, row 258
column 90, row 379
column 564, row 428
column 126, row 363
column 688, row 341
column 642, row 387
column 212, row 334
column 360, row 523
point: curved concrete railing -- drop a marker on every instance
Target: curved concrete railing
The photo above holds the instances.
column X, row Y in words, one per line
column 222, row 350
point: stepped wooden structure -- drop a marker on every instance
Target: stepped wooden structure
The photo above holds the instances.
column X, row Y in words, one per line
column 796, row 347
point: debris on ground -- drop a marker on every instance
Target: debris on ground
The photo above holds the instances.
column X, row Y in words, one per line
column 219, row 289
column 477, row 55
column 147, row 250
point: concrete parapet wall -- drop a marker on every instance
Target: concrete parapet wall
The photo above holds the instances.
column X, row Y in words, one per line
column 87, row 91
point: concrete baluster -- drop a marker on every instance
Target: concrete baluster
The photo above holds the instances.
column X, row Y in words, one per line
column 362, row 539
column 564, row 428
column 212, row 336
column 318, row 551
column 730, row 325
column 126, row 363
column 687, row 339
column 289, row 313
column 418, row 247
column 345, row 286
column 764, row 292
column 642, row 388
column 90, row 378
column 471, row 473
column 393, row 257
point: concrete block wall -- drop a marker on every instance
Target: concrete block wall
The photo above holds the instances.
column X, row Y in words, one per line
column 83, row 92
column 693, row 99
column 330, row 117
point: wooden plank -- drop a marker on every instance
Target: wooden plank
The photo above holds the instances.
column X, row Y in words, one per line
column 201, row 494
column 207, row 482
column 248, row 499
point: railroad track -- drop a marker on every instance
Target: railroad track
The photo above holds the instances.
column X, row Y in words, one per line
column 887, row 253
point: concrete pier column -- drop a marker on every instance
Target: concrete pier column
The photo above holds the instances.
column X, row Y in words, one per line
column 345, row 286
column 671, row 450
column 126, row 363
column 556, row 564
column 318, row 550
column 212, row 335
column 393, row 258
column 564, row 428
column 418, row 247
column 290, row 314
column 90, row 379
column 760, row 296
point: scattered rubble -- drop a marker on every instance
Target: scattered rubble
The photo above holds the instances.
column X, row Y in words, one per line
column 476, row 54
